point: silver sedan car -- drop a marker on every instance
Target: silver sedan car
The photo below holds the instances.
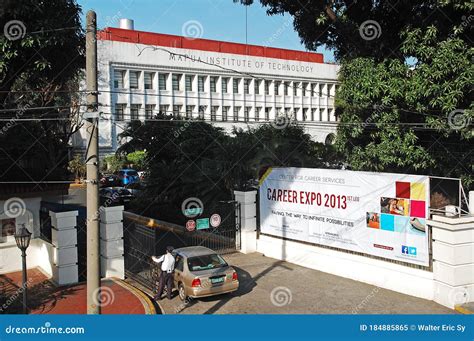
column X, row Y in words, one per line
column 201, row 272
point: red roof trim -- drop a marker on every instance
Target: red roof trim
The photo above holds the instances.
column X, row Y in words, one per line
column 159, row 39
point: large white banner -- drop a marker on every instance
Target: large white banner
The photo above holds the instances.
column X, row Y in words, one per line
column 381, row 214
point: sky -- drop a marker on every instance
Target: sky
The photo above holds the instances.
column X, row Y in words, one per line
column 210, row 19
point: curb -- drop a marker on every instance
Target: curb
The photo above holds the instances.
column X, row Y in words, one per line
column 463, row 310
column 144, row 299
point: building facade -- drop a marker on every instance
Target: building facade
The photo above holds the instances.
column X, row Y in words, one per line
column 228, row 84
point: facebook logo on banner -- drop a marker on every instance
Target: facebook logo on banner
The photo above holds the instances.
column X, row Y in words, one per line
column 408, row 250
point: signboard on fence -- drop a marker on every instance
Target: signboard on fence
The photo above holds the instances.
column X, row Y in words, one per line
column 381, row 214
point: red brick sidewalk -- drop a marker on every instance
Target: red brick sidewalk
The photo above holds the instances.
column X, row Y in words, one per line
column 44, row 297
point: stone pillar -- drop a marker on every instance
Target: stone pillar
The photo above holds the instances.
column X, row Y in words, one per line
column 111, row 242
column 248, row 213
column 64, row 240
column 453, row 259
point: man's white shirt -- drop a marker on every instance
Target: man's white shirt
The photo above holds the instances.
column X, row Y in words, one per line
column 168, row 262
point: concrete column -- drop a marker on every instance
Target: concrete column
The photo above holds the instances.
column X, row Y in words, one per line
column 453, row 259
column 471, row 202
column 64, row 240
column 111, row 242
column 248, row 214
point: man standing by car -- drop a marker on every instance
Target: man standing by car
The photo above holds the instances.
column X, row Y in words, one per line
column 167, row 272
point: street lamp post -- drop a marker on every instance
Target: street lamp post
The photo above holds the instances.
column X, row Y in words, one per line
column 22, row 238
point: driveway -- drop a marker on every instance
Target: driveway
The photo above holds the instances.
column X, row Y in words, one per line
column 269, row 286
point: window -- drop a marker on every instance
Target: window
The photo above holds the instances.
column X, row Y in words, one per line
column 213, row 83
column 329, row 114
column 189, row 111
column 295, row 88
column 247, row 114
column 164, row 108
column 202, row 111
column 303, row 89
column 189, row 82
column 321, row 87
column 295, row 113
column 179, row 263
column 149, row 109
column 267, row 113
column 225, row 83
column 257, row 113
column 176, row 110
column 256, row 86
column 236, row 85
column 313, row 90
column 236, row 114
column 288, row 112
column 286, row 85
column 175, row 80
column 225, row 112
column 201, row 81
column 247, row 86
column 119, row 76
column 162, row 81
column 276, row 88
column 148, row 78
column 305, row 114
column 277, row 111
column 134, row 77
column 206, row 262
column 214, row 110
column 134, row 111
column 8, row 229
column 267, row 87
column 119, row 111
column 329, row 90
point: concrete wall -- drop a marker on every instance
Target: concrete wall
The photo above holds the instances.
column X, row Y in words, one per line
column 450, row 283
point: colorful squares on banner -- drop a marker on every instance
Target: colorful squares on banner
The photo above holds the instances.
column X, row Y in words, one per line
column 387, row 222
column 402, row 224
column 395, row 206
column 418, row 191
column 418, row 209
column 373, row 220
column 402, row 189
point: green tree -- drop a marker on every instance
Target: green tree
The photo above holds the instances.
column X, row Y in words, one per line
column 40, row 63
column 137, row 159
column 340, row 25
column 77, row 166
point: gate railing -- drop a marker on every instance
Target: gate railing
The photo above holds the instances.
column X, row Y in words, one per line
column 145, row 237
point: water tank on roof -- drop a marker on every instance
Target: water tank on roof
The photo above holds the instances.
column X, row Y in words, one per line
column 126, row 24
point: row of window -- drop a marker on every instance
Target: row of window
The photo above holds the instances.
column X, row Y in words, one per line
column 286, row 88
column 260, row 113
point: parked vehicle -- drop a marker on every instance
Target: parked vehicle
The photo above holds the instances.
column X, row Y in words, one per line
column 135, row 188
column 201, row 272
column 110, row 196
column 128, row 176
column 109, row 180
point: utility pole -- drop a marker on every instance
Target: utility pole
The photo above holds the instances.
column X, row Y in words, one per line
column 92, row 164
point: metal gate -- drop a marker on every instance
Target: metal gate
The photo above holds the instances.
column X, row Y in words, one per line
column 145, row 237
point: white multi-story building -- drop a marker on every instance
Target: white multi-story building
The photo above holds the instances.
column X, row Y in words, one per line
column 229, row 84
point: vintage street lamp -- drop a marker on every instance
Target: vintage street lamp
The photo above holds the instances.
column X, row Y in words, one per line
column 22, row 238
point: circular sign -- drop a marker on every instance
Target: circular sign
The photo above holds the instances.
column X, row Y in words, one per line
column 190, row 225
column 215, row 220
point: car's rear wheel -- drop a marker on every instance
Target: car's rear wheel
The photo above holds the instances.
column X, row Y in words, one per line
column 182, row 292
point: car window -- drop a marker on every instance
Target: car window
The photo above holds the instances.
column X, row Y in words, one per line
column 132, row 173
column 206, row 262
